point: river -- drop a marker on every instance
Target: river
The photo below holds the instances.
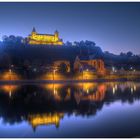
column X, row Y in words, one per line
column 97, row 110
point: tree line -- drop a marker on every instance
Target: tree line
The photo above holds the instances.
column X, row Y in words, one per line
column 15, row 50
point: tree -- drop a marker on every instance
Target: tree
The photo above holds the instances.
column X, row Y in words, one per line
column 89, row 43
column 12, row 40
column 129, row 54
column 122, row 54
column 5, row 38
column 77, row 44
column 69, row 44
column 82, row 43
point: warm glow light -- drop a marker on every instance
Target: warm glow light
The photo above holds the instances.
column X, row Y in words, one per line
column 44, row 39
column 10, row 75
column 132, row 90
column 113, row 90
column 113, row 69
column 95, row 92
column 9, row 89
column 53, row 75
column 45, row 119
column 87, row 86
column 135, row 87
column 116, row 87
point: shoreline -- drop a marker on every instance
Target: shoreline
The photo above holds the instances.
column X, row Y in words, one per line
column 35, row 81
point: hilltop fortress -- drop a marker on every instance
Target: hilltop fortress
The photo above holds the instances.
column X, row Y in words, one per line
column 44, row 39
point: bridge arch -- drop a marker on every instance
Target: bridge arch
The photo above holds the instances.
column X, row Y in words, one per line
column 59, row 62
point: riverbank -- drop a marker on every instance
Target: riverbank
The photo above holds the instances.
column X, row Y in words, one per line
column 65, row 81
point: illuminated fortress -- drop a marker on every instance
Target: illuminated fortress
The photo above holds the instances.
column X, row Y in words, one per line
column 44, row 39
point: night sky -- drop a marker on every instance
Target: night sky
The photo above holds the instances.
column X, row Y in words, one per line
column 115, row 27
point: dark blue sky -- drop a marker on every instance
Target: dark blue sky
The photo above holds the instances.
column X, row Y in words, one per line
column 115, row 27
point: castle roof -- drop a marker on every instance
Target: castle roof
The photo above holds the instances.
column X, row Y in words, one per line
column 56, row 31
column 34, row 30
column 46, row 34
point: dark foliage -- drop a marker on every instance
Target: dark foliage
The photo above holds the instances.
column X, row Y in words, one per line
column 15, row 51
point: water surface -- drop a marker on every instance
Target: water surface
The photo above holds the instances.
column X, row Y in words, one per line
column 110, row 109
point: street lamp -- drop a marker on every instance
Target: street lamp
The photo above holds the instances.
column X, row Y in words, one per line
column 83, row 74
column 54, row 74
column 131, row 68
column 87, row 73
column 113, row 69
column 10, row 71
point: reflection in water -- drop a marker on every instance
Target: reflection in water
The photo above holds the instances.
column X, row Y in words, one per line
column 9, row 89
column 45, row 119
column 48, row 104
column 85, row 91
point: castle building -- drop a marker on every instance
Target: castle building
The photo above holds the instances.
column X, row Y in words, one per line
column 44, row 39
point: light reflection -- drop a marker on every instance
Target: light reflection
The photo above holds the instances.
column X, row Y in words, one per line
column 87, row 91
column 97, row 95
column 83, row 91
column 55, row 89
column 86, row 87
column 113, row 90
column 69, row 98
column 116, row 87
column 135, row 88
column 122, row 86
column 132, row 90
column 90, row 91
column 10, row 89
column 45, row 119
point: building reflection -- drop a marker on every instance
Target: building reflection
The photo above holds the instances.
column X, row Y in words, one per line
column 45, row 119
column 90, row 92
column 122, row 86
column 86, row 87
column 41, row 104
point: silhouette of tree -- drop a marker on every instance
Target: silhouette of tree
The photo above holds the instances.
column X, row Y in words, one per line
column 129, row 54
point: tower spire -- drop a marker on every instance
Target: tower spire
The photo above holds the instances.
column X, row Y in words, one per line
column 34, row 30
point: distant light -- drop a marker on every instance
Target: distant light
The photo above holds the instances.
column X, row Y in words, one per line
column 113, row 90
column 135, row 88
column 113, row 69
column 10, row 93
column 10, row 70
column 132, row 90
column 116, row 87
column 34, row 69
